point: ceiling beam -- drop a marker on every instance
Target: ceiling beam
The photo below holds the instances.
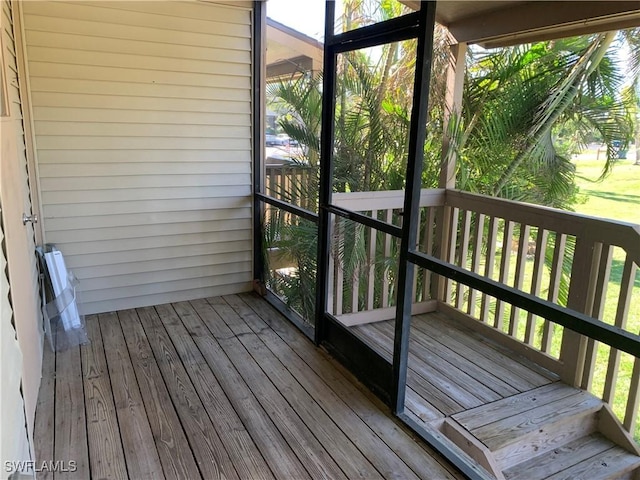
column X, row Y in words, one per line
column 544, row 20
column 291, row 67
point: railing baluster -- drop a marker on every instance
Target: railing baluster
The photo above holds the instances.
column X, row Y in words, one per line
column 355, row 289
column 631, row 411
column 339, row 269
column 463, row 254
column 555, row 278
column 521, row 264
column 304, row 188
column 622, row 312
column 358, row 229
column 331, row 296
column 605, row 253
column 371, row 258
column 387, row 255
column 272, row 184
column 505, row 261
column 416, row 275
column 280, row 185
column 291, row 185
column 536, row 281
column 451, row 251
column 285, row 192
column 478, row 231
column 428, row 248
column 489, row 266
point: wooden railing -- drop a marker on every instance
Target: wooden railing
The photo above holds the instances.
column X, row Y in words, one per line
column 363, row 278
column 587, row 264
column 293, row 183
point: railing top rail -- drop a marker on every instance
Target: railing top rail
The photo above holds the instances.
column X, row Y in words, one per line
column 574, row 320
column 386, row 199
column 612, row 232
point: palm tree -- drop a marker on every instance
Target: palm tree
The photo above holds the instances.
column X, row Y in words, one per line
column 513, row 100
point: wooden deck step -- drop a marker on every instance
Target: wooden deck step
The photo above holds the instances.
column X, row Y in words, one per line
column 592, row 456
column 518, row 437
column 554, row 431
column 513, row 405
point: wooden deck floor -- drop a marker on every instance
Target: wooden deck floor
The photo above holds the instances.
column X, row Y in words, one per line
column 223, row 387
column 453, row 369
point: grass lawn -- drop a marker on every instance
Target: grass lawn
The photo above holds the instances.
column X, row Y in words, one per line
column 616, row 197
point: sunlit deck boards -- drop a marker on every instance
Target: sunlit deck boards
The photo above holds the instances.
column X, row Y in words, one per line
column 452, row 369
column 211, row 389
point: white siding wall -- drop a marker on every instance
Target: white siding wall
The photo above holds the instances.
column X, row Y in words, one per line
column 143, row 129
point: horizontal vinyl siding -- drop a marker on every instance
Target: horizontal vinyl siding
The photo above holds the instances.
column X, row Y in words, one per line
column 160, row 253
column 142, row 115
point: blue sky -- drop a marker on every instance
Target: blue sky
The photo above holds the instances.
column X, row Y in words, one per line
column 306, row 16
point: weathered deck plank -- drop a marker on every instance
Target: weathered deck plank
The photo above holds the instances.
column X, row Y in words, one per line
column 70, row 443
column 102, row 425
column 501, row 432
column 280, row 457
column 368, row 407
column 601, row 466
column 446, row 394
column 210, row 454
column 452, row 357
column 442, row 396
column 371, row 446
column 518, row 404
column 243, row 452
column 323, row 426
column 177, row 458
column 44, row 425
column 225, row 389
column 511, row 367
column 560, row 459
column 311, row 452
column 139, row 446
column 424, row 361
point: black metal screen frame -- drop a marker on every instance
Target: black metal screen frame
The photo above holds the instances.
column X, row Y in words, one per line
column 397, row 29
column 257, row 112
column 418, row 25
column 259, row 198
column 387, row 380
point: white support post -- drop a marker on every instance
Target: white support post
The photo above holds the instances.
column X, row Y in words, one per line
column 584, row 273
column 452, row 109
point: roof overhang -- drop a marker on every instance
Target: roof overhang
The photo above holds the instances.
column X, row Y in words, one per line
column 509, row 22
column 489, row 23
column 290, row 53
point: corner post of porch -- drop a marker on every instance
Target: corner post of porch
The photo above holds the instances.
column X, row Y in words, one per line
column 447, row 180
column 584, row 274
